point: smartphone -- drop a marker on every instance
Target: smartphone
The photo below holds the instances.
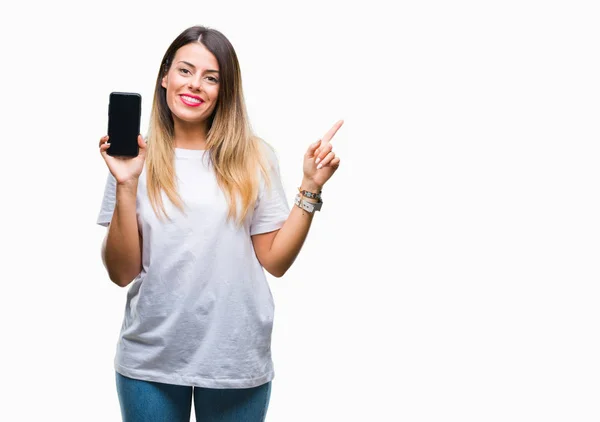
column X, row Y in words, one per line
column 124, row 114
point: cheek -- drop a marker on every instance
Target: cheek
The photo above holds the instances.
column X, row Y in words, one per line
column 214, row 93
column 172, row 82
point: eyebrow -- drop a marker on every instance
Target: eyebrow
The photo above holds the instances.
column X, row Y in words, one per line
column 193, row 67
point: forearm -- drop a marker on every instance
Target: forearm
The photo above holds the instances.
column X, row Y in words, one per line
column 122, row 251
column 290, row 238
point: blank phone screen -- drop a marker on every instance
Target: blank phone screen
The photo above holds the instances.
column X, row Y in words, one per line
column 124, row 112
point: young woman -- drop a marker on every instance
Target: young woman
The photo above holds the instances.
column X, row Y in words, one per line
column 193, row 220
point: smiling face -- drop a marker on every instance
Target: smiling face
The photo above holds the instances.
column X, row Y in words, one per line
column 192, row 84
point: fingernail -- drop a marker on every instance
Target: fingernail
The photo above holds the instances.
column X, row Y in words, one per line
column 319, row 166
column 317, row 161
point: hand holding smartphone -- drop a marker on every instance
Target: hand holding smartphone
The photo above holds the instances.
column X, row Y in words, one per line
column 124, row 115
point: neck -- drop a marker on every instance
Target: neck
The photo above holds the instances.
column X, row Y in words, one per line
column 190, row 135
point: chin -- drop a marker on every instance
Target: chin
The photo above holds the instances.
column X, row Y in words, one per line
column 184, row 117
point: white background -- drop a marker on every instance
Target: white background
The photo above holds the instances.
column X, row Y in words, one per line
column 452, row 274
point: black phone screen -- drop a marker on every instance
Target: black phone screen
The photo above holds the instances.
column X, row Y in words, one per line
column 124, row 113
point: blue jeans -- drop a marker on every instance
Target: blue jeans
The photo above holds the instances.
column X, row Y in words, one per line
column 148, row 401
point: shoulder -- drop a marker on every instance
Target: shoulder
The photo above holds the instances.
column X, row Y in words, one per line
column 268, row 153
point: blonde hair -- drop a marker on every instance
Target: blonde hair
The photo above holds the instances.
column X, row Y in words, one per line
column 238, row 157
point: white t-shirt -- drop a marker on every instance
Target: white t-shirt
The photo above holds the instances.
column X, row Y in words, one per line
column 201, row 312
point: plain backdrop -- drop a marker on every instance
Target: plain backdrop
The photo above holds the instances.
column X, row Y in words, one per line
column 452, row 274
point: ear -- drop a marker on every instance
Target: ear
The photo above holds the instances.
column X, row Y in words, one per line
column 164, row 81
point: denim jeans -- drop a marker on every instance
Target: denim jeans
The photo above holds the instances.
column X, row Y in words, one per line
column 148, row 401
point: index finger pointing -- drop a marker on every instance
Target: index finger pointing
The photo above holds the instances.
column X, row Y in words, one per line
column 332, row 131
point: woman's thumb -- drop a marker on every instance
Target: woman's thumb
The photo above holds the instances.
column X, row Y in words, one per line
column 142, row 144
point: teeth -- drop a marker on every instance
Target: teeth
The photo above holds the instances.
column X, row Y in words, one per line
column 191, row 99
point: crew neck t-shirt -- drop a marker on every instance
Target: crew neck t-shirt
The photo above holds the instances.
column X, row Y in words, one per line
column 200, row 313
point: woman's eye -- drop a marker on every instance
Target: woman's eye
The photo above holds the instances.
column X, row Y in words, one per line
column 184, row 71
column 213, row 80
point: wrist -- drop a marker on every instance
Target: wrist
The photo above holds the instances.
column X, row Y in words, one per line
column 129, row 186
column 310, row 186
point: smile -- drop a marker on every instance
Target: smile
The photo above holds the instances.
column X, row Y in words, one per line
column 191, row 101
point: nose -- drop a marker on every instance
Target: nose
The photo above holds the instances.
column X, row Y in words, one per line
column 195, row 83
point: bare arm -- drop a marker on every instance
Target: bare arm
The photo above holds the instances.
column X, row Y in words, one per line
column 121, row 250
column 277, row 250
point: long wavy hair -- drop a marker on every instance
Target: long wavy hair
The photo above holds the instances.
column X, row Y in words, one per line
column 238, row 157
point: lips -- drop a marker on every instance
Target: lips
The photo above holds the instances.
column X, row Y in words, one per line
column 191, row 100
